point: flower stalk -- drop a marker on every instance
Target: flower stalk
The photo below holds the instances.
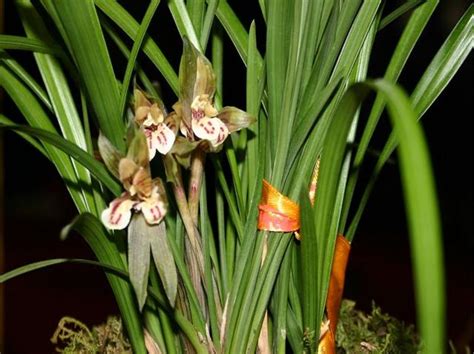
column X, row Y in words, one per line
column 198, row 161
column 194, row 256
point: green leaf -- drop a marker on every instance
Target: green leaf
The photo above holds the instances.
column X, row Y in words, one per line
column 94, row 166
column 409, row 38
column 234, row 29
column 107, row 252
column 354, row 41
column 139, row 239
column 164, row 260
column 423, row 218
column 51, row 262
column 208, row 21
column 128, row 24
column 37, row 117
column 422, row 213
column 59, row 94
column 398, row 12
column 137, row 44
column 183, row 22
column 84, row 35
column 446, row 63
column 310, row 274
column 195, row 9
column 438, row 74
column 116, row 272
column 145, row 81
column 326, row 216
column 279, row 29
column 37, row 145
column 28, row 44
column 27, row 79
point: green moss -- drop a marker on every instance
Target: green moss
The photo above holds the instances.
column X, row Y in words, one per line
column 377, row 332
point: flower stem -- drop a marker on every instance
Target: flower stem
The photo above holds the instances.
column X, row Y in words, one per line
column 197, row 169
column 194, row 257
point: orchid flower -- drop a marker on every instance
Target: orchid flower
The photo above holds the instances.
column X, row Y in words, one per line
column 142, row 193
column 199, row 120
column 160, row 132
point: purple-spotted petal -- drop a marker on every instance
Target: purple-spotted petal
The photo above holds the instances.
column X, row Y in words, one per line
column 151, row 142
column 211, row 129
column 118, row 214
column 154, row 208
column 153, row 212
column 163, row 138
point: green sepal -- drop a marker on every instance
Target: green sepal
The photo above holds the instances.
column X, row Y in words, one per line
column 235, row 119
column 110, row 154
column 139, row 239
column 138, row 148
column 164, row 261
column 196, row 77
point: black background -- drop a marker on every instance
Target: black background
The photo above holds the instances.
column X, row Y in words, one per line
column 37, row 205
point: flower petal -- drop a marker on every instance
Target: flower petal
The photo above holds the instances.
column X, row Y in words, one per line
column 127, row 169
column 154, row 117
column 164, row 138
column 153, row 212
column 151, row 142
column 211, row 129
column 118, row 214
column 154, row 208
column 140, row 100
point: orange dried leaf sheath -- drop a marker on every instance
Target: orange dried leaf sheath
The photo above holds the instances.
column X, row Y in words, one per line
column 336, row 288
column 279, row 213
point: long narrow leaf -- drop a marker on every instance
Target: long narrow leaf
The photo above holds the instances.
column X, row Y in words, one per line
column 28, row 44
column 446, row 63
column 137, row 44
column 439, row 73
column 423, row 218
column 130, row 26
column 94, row 166
column 59, row 93
column 409, row 38
column 27, row 79
column 86, row 40
column 106, row 252
column 183, row 22
column 37, row 117
column 422, row 213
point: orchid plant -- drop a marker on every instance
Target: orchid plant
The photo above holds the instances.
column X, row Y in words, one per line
column 202, row 195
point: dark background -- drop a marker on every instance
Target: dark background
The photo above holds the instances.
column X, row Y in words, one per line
column 37, row 206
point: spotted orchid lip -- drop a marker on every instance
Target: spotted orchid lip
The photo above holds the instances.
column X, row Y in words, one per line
column 210, row 129
column 160, row 137
column 118, row 215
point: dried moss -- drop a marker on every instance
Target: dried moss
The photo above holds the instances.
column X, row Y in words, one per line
column 357, row 332
column 73, row 337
